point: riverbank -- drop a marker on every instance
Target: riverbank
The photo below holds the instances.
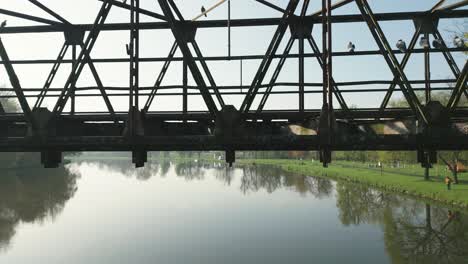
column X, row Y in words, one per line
column 407, row 180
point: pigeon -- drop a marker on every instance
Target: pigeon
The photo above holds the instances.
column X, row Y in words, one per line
column 401, row 45
column 351, row 47
column 437, row 43
column 4, row 23
column 458, row 42
column 203, row 10
column 424, row 43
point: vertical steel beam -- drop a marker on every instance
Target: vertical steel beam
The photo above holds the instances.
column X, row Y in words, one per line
column 17, row 87
column 185, row 90
column 134, row 53
column 330, row 70
column 188, row 57
column 73, row 86
column 161, row 76
column 301, row 75
column 268, row 57
column 427, row 72
column 336, row 90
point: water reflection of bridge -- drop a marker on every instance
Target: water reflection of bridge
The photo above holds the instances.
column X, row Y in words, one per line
column 425, row 125
column 413, row 231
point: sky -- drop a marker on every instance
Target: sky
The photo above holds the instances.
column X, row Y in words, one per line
column 213, row 42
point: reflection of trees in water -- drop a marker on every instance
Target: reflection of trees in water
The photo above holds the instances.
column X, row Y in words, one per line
column 190, row 170
column 128, row 169
column 270, row 178
column 32, row 195
column 414, row 232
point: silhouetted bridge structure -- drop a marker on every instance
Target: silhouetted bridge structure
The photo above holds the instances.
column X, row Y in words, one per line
column 425, row 125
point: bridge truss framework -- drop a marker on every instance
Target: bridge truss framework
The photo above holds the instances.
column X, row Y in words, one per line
column 425, row 126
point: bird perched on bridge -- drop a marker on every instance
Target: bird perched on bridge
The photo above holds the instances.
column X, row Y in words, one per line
column 124, row 2
column 437, row 43
column 4, row 23
column 351, row 47
column 424, row 43
column 401, row 45
column 127, row 47
column 458, row 42
column 203, row 10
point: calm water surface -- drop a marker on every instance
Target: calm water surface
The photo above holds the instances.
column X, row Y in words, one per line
column 107, row 212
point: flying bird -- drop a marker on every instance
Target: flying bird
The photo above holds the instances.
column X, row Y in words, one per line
column 203, row 10
column 437, row 43
column 401, row 45
column 4, row 23
column 458, row 42
column 351, row 47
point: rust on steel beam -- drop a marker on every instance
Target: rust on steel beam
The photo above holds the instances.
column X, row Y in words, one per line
column 267, row 59
column 82, row 60
column 391, row 60
column 254, row 22
column 17, row 87
column 188, row 57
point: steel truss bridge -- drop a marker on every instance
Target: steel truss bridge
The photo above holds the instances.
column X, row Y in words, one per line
column 425, row 126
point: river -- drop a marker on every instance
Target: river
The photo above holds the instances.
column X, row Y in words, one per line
column 92, row 211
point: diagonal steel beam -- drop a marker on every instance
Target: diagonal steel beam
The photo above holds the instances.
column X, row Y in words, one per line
column 17, row 87
column 29, row 17
column 161, row 76
column 459, row 89
column 454, row 6
column 275, row 75
column 391, row 60
column 49, row 11
column 336, row 91
column 275, row 7
column 98, row 82
column 188, row 57
column 140, row 10
column 448, row 57
column 267, row 59
column 334, row 6
column 208, row 73
column 51, row 76
column 83, row 59
column 403, row 63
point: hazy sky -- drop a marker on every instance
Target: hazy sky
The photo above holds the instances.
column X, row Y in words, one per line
column 214, row 42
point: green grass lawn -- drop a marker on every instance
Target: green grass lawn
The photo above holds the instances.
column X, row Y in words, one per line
column 409, row 180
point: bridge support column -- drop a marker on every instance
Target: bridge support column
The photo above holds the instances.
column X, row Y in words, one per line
column 51, row 158
column 230, row 157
